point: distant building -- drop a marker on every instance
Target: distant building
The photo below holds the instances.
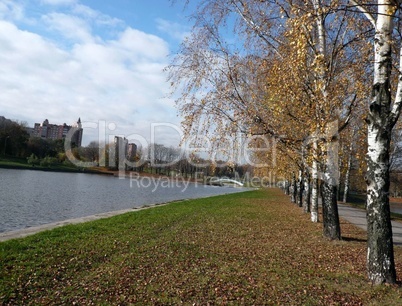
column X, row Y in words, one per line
column 131, row 151
column 46, row 130
column 30, row 131
column 120, row 149
column 123, row 149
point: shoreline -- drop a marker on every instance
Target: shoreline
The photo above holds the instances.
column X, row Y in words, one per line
column 28, row 231
column 21, row 233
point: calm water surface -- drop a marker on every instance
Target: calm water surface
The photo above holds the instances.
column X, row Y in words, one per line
column 30, row 198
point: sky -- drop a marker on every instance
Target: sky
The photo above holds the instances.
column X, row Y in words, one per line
column 98, row 60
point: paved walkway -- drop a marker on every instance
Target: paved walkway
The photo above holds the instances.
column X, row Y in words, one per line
column 357, row 217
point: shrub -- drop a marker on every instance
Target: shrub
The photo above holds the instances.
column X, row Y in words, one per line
column 33, row 160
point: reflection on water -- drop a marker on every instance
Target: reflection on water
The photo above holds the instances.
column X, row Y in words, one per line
column 31, row 198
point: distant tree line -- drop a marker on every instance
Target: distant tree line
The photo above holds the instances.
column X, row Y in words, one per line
column 155, row 158
column 164, row 160
column 16, row 142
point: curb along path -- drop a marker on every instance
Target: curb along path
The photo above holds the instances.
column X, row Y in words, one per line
column 357, row 217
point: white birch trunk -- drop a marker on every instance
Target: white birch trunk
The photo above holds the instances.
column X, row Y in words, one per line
column 380, row 253
column 314, row 184
column 331, row 225
column 340, row 178
column 306, row 194
column 347, row 175
column 293, row 190
column 299, row 200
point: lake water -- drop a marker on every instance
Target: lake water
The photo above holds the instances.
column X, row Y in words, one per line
column 30, row 198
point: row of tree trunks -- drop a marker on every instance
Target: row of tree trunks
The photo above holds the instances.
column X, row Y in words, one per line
column 382, row 115
column 326, row 50
column 301, row 195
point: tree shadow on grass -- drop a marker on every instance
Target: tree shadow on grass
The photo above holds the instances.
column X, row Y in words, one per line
column 353, row 239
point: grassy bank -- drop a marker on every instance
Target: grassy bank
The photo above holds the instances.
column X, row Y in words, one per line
column 247, row 248
column 21, row 164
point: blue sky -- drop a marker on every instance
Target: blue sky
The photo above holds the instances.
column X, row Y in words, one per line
column 99, row 60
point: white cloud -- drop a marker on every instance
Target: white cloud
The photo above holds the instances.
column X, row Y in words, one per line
column 70, row 27
column 174, row 30
column 146, row 45
column 95, row 16
column 58, row 2
column 119, row 80
column 11, row 10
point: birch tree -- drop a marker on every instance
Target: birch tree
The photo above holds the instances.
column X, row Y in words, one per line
column 384, row 110
column 222, row 81
column 322, row 94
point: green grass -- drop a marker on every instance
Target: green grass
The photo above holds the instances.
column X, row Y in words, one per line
column 251, row 248
column 13, row 161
